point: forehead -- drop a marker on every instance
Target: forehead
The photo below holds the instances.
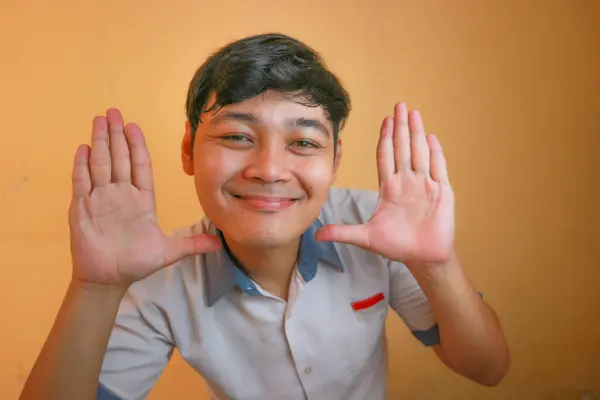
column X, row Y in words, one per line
column 271, row 107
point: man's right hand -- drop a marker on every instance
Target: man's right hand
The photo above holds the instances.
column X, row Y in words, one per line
column 115, row 237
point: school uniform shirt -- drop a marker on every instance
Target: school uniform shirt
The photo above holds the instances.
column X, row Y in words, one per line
column 326, row 342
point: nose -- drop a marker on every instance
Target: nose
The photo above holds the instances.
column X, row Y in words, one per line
column 268, row 164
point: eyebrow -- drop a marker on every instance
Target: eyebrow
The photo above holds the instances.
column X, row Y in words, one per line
column 308, row 123
column 234, row 116
column 301, row 122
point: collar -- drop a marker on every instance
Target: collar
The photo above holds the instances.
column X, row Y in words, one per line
column 222, row 272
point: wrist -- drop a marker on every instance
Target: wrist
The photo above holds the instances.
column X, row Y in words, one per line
column 435, row 271
column 96, row 291
column 443, row 280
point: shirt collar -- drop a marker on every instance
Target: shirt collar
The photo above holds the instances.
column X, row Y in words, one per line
column 222, row 272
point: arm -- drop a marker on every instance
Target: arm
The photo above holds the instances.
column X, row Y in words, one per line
column 69, row 363
column 115, row 242
column 471, row 339
column 413, row 223
column 95, row 351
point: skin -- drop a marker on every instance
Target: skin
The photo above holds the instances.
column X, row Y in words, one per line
column 115, row 238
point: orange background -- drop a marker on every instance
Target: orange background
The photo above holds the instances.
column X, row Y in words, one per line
column 511, row 88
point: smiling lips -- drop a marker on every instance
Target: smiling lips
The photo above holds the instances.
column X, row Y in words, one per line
column 266, row 203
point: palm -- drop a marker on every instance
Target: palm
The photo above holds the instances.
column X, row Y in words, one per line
column 121, row 219
column 422, row 211
column 115, row 237
column 414, row 217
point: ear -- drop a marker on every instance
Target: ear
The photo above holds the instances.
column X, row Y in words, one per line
column 337, row 160
column 187, row 150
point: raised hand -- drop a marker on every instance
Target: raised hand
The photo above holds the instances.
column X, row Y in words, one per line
column 414, row 218
column 115, row 237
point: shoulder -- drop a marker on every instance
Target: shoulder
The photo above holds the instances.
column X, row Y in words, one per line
column 349, row 206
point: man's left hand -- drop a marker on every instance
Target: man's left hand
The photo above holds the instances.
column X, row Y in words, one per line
column 413, row 222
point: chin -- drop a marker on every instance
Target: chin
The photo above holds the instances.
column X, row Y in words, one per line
column 260, row 232
column 260, row 241
column 263, row 240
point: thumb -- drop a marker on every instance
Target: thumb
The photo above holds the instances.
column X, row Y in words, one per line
column 179, row 247
column 356, row 235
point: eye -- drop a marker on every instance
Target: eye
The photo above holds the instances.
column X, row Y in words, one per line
column 307, row 144
column 237, row 137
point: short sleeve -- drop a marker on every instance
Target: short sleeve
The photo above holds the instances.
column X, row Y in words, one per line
column 408, row 300
column 139, row 348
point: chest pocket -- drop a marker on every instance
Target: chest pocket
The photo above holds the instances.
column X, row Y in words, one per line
column 364, row 338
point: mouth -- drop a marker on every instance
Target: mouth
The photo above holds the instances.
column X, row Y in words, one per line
column 265, row 198
column 265, row 203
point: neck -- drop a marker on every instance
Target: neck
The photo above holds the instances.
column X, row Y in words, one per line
column 271, row 268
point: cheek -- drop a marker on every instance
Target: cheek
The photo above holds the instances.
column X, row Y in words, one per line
column 211, row 171
column 316, row 175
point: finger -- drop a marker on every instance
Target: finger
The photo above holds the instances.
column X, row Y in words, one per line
column 418, row 143
column 355, row 235
column 81, row 178
column 439, row 171
column 99, row 153
column 385, row 150
column 119, row 151
column 141, row 167
column 179, row 247
column 401, row 138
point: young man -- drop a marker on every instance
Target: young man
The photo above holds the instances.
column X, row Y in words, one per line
column 282, row 291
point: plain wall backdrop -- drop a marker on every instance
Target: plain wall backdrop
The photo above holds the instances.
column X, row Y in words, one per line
column 511, row 88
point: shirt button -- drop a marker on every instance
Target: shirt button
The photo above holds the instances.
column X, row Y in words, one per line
column 307, row 370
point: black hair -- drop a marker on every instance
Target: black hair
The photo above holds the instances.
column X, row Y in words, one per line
column 250, row 66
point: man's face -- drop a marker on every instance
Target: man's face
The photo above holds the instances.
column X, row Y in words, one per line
column 262, row 168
